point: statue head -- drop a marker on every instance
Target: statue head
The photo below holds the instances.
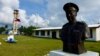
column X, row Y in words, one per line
column 71, row 10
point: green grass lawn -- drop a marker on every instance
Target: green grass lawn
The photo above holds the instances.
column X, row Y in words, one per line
column 32, row 46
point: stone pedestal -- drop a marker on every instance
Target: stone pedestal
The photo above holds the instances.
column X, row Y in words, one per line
column 61, row 53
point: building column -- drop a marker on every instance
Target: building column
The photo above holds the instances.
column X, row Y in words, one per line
column 50, row 34
column 46, row 34
column 34, row 33
column 98, row 34
column 94, row 34
column 57, row 33
column 39, row 34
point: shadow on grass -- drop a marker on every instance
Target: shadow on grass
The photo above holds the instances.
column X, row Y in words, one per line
column 91, row 41
column 48, row 38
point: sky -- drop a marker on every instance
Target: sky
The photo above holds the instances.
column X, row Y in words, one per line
column 47, row 13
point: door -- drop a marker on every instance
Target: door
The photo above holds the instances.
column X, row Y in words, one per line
column 54, row 34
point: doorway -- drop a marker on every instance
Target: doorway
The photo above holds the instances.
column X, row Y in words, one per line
column 54, row 34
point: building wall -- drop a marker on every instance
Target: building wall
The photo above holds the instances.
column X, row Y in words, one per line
column 46, row 35
column 57, row 34
column 56, row 31
column 98, row 34
column 50, row 33
column 95, row 32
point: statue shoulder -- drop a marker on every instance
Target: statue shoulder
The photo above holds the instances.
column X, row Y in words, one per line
column 82, row 23
column 65, row 25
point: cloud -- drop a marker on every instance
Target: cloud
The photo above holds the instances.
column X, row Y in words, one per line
column 89, row 11
column 37, row 20
column 33, row 20
column 53, row 14
column 6, row 15
column 23, row 18
column 10, row 3
column 6, row 10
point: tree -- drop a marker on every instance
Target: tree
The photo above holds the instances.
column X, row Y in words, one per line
column 30, row 30
column 27, row 31
column 22, row 30
column 6, row 26
column 2, row 29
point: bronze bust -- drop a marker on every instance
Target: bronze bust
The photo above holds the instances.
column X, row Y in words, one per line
column 74, row 32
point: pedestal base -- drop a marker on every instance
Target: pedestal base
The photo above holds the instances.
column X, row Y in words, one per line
column 61, row 53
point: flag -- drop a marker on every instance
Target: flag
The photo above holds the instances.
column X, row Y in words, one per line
column 18, row 20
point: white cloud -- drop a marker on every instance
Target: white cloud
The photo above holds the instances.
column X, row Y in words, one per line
column 37, row 20
column 10, row 3
column 33, row 20
column 23, row 18
column 6, row 10
column 6, row 14
column 89, row 11
column 54, row 14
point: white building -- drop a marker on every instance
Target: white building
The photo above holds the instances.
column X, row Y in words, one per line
column 54, row 32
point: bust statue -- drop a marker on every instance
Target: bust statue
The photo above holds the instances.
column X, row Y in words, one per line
column 74, row 32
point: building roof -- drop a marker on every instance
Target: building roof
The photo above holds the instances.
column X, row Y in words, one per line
column 94, row 26
column 49, row 28
column 55, row 28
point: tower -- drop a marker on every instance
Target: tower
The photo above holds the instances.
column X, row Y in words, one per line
column 15, row 21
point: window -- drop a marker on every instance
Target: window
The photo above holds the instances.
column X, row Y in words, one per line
column 37, row 32
column 42, row 33
column 48, row 32
column 91, row 35
column 59, row 32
